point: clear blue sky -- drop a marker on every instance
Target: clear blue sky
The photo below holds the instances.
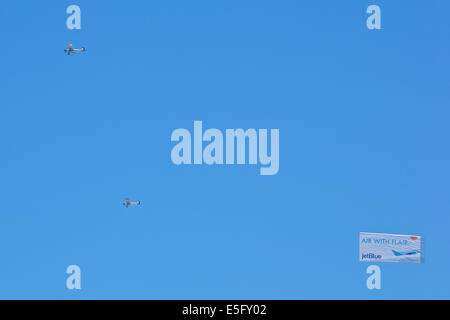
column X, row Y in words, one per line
column 364, row 146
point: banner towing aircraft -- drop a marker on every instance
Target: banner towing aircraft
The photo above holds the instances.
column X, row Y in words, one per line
column 129, row 203
column 70, row 49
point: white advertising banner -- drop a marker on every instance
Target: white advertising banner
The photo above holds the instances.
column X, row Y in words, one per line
column 379, row 247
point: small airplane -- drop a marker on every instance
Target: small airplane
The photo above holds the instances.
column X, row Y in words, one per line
column 70, row 49
column 409, row 253
column 129, row 203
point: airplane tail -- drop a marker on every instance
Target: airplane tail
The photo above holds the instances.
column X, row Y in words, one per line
column 396, row 253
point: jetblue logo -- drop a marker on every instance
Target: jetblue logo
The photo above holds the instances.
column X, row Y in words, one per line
column 235, row 147
column 371, row 256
